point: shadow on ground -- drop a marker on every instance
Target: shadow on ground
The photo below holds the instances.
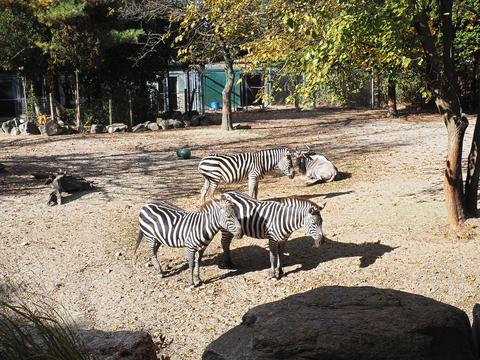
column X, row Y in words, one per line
column 300, row 252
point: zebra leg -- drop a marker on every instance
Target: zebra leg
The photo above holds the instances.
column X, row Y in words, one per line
column 281, row 248
column 204, row 191
column 154, row 245
column 196, row 271
column 191, row 264
column 274, row 260
column 252, row 186
column 226, row 261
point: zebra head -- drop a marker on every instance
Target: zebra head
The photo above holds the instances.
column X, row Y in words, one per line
column 227, row 217
column 286, row 164
column 313, row 224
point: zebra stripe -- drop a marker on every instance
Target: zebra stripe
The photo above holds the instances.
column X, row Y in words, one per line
column 162, row 223
column 275, row 221
column 234, row 168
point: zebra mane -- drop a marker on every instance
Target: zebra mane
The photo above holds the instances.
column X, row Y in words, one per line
column 252, row 152
column 298, row 198
column 209, row 203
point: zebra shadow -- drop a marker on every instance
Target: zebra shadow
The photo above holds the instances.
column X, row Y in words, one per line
column 299, row 251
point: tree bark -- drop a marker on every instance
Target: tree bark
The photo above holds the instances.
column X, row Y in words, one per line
column 453, row 181
column 392, row 97
column 473, row 169
column 227, row 93
column 77, row 102
column 442, row 80
column 379, row 92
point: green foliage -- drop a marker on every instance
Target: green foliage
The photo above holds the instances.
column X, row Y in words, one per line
column 125, row 36
column 325, row 39
column 19, row 32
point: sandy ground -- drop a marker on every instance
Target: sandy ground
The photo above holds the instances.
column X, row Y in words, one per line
column 386, row 221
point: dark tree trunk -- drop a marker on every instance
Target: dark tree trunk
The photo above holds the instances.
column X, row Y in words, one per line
column 473, row 170
column 392, row 97
column 227, row 94
column 445, row 92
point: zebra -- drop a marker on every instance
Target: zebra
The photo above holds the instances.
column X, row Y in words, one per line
column 233, row 168
column 162, row 223
column 275, row 221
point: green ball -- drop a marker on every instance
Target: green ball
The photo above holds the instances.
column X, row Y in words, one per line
column 184, row 153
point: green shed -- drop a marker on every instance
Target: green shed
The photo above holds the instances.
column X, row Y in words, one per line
column 214, row 83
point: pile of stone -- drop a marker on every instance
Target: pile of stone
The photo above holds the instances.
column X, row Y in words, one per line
column 18, row 126
column 168, row 120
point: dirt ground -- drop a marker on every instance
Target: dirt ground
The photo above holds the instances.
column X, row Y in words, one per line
column 386, row 221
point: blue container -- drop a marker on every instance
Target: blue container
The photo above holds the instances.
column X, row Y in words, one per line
column 215, row 105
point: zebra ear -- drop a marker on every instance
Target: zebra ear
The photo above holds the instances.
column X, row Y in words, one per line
column 226, row 197
column 314, row 210
column 322, row 206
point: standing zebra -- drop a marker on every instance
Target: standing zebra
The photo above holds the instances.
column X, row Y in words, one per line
column 233, row 168
column 275, row 221
column 165, row 224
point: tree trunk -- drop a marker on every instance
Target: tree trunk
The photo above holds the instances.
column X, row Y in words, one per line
column 227, row 94
column 453, row 181
column 77, row 102
column 379, row 92
column 392, row 97
column 445, row 91
column 473, row 170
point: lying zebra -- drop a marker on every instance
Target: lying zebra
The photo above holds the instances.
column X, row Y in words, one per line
column 234, row 168
column 165, row 224
column 275, row 221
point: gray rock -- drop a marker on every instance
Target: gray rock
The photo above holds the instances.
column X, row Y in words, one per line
column 117, row 127
column 29, row 128
column 196, row 120
column 8, row 125
column 153, row 126
column 139, row 128
column 187, row 123
column 348, row 323
column 15, row 131
column 97, row 128
column 176, row 123
column 125, row 345
column 476, row 326
column 163, row 124
column 53, row 128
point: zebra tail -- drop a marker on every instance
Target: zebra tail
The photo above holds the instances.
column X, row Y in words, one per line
column 139, row 239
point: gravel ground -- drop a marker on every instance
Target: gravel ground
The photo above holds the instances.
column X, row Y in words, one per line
column 385, row 220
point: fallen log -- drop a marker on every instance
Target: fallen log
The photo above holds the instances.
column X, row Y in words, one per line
column 66, row 183
column 63, row 182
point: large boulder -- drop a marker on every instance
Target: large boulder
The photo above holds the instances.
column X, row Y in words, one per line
column 139, row 128
column 170, row 123
column 153, row 126
column 348, row 323
column 124, row 345
column 97, row 128
column 117, row 127
column 7, row 126
column 53, row 128
column 15, row 131
column 29, row 128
